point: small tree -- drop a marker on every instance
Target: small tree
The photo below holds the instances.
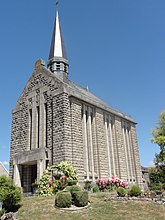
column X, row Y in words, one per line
column 157, row 176
column 159, row 138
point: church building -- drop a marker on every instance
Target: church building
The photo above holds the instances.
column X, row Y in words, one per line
column 56, row 119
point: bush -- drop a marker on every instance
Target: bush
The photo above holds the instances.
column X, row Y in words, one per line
column 135, row 191
column 72, row 188
column 121, row 191
column 67, row 189
column 80, row 198
column 2, row 212
column 72, row 182
column 63, row 199
column 10, row 194
column 95, row 189
column 75, row 188
column 67, row 169
column 88, row 185
column 155, row 186
column 64, row 174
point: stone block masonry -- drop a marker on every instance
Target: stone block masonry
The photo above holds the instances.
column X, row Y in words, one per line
column 56, row 119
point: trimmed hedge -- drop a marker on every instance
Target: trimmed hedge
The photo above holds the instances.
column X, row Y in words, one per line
column 80, row 198
column 135, row 191
column 72, row 188
column 63, row 199
column 121, row 191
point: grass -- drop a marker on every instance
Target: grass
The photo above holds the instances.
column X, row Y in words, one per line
column 39, row 208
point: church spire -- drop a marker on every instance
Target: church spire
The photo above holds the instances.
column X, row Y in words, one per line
column 58, row 61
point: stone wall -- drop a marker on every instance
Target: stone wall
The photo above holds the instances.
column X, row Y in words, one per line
column 101, row 141
column 136, row 156
column 78, row 159
column 62, row 149
column 72, row 129
column 120, row 154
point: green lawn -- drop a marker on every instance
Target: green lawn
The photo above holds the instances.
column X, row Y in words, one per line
column 39, row 208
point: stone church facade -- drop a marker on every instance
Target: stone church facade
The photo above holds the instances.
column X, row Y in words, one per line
column 56, row 119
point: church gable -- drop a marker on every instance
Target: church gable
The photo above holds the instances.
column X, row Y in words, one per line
column 41, row 81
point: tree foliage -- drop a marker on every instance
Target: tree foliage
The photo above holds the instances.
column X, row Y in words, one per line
column 157, row 176
column 157, row 179
column 159, row 138
column 159, row 132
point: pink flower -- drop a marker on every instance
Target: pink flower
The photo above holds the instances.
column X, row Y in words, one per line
column 49, row 182
column 64, row 177
column 113, row 177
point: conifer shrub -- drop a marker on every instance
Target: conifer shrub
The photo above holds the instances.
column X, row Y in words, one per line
column 134, row 191
column 63, row 199
column 80, row 198
column 121, row 191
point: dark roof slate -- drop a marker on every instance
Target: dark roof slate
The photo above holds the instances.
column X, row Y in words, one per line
column 82, row 93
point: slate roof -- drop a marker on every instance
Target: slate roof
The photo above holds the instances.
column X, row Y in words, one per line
column 83, row 94
column 57, row 48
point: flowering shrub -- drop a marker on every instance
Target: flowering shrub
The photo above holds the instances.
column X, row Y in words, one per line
column 63, row 174
column 59, row 184
column 44, row 184
column 67, row 169
column 110, row 184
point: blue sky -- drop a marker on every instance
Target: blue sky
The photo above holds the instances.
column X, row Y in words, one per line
column 115, row 47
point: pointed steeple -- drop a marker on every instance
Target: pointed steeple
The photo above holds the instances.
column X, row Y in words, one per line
column 58, row 61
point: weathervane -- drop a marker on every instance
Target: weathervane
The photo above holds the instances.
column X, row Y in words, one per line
column 57, row 2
